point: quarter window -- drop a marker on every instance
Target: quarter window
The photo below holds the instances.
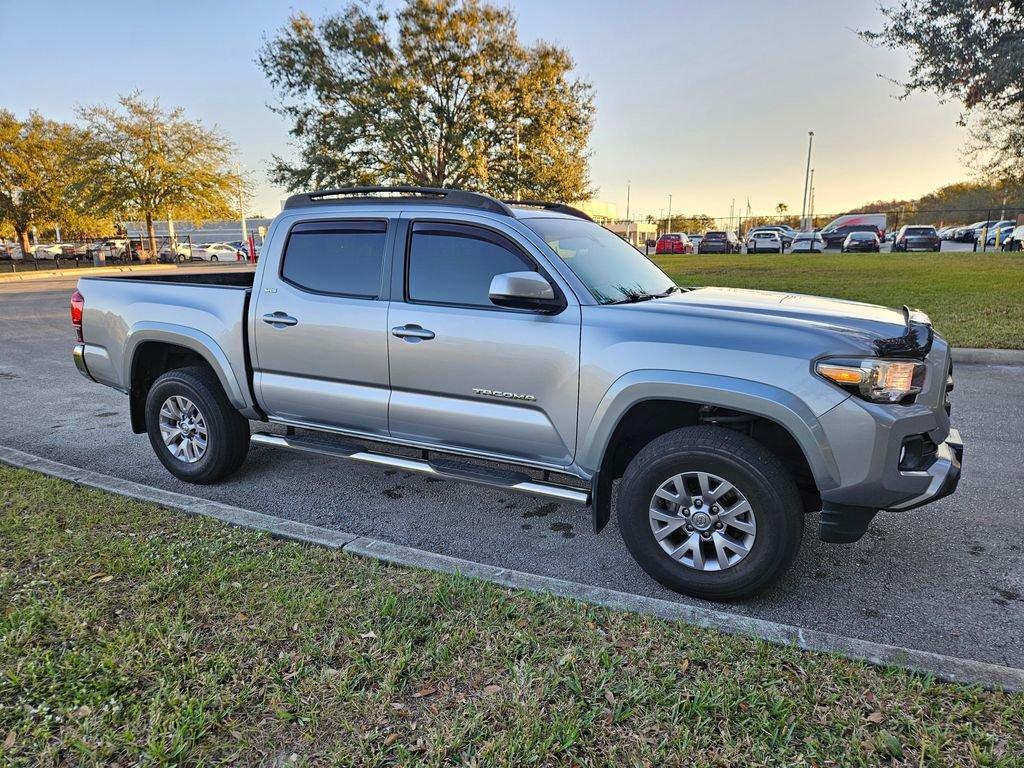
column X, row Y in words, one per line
column 342, row 258
column 455, row 263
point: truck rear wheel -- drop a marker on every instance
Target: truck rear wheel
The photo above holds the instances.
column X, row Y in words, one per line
column 196, row 433
column 711, row 513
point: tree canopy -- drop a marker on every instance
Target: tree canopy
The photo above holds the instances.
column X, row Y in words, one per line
column 971, row 51
column 442, row 93
column 142, row 160
column 38, row 168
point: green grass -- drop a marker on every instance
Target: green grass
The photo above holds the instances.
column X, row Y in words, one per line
column 974, row 299
column 132, row 634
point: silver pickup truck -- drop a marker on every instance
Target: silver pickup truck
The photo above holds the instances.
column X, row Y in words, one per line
column 520, row 345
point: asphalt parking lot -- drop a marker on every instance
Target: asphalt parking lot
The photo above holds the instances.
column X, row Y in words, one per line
column 947, row 578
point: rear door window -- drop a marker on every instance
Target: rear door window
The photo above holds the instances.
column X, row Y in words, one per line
column 340, row 258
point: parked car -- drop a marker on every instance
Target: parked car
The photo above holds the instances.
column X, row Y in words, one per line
column 216, row 252
column 619, row 378
column 838, row 236
column 719, row 242
column 862, row 241
column 808, row 242
column 48, row 251
column 10, row 251
column 785, row 232
column 946, row 233
column 243, row 246
column 1002, row 229
column 674, row 242
column 972, row 232
column 835, row 232
column 174, row 252
column 917, row 238
column 1015, row 240
column 765, row 240
column 695, row 238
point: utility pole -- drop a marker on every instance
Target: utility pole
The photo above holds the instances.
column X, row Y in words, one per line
column 241, row 206
column 668, row 222
column 807, row 181
column 628, row 183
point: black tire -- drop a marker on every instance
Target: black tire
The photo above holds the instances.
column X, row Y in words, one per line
column 753, row 470
column 227, row 429
column 214, row 258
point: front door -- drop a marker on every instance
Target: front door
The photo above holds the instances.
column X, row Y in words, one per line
column 321, row 327
column 467, row 374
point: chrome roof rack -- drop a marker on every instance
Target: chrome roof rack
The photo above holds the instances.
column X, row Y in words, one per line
column 568, row 210
column 402, row 195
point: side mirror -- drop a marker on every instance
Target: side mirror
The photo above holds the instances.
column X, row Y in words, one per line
column 524, row 290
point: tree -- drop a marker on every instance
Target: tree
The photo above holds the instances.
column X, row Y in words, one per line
column 781, row 208
column 145, row 161
column 451, row 98
column 37, row 169
column 969, row 50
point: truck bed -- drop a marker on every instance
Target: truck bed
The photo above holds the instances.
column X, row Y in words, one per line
column 228, row 279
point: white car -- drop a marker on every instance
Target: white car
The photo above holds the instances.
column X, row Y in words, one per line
column 171, row 252
column 764, row 240
column 215, row 252
column 808, row 242
column 51, row 251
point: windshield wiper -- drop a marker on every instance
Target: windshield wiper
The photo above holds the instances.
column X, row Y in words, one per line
column 638, row 296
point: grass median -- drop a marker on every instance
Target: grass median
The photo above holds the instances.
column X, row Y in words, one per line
column 974, row 299
column 132, row 634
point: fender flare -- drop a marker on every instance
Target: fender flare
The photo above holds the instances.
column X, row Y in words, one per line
column 189, row 338
column 756, row 398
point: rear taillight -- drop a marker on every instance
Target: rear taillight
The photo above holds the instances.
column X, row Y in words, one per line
column 77, row 307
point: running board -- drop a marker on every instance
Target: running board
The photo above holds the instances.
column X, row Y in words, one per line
column 447, row 469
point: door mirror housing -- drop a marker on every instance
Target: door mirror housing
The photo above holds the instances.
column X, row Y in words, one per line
column 525, row 290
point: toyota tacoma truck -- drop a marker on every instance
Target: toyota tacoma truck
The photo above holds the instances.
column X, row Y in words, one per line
column 522, row 346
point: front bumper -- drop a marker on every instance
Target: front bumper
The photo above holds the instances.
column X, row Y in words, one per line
column 874, row 448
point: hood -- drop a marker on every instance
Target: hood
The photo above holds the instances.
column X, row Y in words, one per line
column 882, row 329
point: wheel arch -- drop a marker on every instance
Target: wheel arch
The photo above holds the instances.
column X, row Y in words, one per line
column 646, row 404
column 155, row 348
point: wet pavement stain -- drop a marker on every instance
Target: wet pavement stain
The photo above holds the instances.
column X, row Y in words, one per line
column 542, row 511
column 563, row 528
column 393, row 493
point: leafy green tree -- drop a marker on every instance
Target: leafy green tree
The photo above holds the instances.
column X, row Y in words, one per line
column 142, row 160
column 442, row 94
column 971, row 51
column 38, row 165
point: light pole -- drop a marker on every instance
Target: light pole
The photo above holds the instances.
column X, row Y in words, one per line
column 810, row 203
column 628, row 183
column 668, row 221
column 807, row 181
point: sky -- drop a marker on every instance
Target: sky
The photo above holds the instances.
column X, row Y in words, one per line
column 709, row 102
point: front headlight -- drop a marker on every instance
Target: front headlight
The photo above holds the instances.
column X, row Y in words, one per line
column 875, row 379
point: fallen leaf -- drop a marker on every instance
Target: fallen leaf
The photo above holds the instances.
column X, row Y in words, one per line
column 684, row 665
column 368, row 635
column 609, row 696
column 875, row 717
column 428, row 691
column 105, row 579
column 9, row 741
column 391, row 739
column 492, row 688
column 83, row 711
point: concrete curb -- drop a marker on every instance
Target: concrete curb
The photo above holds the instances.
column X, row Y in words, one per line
column 949, row 668
column 969, row 356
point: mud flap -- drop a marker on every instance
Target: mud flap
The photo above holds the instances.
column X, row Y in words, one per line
column 600, row 500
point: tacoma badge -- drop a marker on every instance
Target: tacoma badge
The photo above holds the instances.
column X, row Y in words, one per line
column 506, row 395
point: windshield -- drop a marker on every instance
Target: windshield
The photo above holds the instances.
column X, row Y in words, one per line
column 611, row 268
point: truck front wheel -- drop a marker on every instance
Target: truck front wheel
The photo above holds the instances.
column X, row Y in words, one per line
column 196, row 433
column 709, row 512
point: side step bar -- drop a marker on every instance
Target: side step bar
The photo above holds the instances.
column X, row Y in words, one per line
column 448, row 469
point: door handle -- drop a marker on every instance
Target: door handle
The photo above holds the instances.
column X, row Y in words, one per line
column 280, row 319
column 412, row 332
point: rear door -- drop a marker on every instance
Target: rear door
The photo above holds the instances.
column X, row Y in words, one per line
column 466, row 374
column 320, row 326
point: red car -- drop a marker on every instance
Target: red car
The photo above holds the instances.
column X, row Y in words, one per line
column 674, row 242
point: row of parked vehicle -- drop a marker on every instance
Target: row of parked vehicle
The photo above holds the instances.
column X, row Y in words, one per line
column 181, row 252
column 121, row 249
column 1001, row 231
column 766, row 239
